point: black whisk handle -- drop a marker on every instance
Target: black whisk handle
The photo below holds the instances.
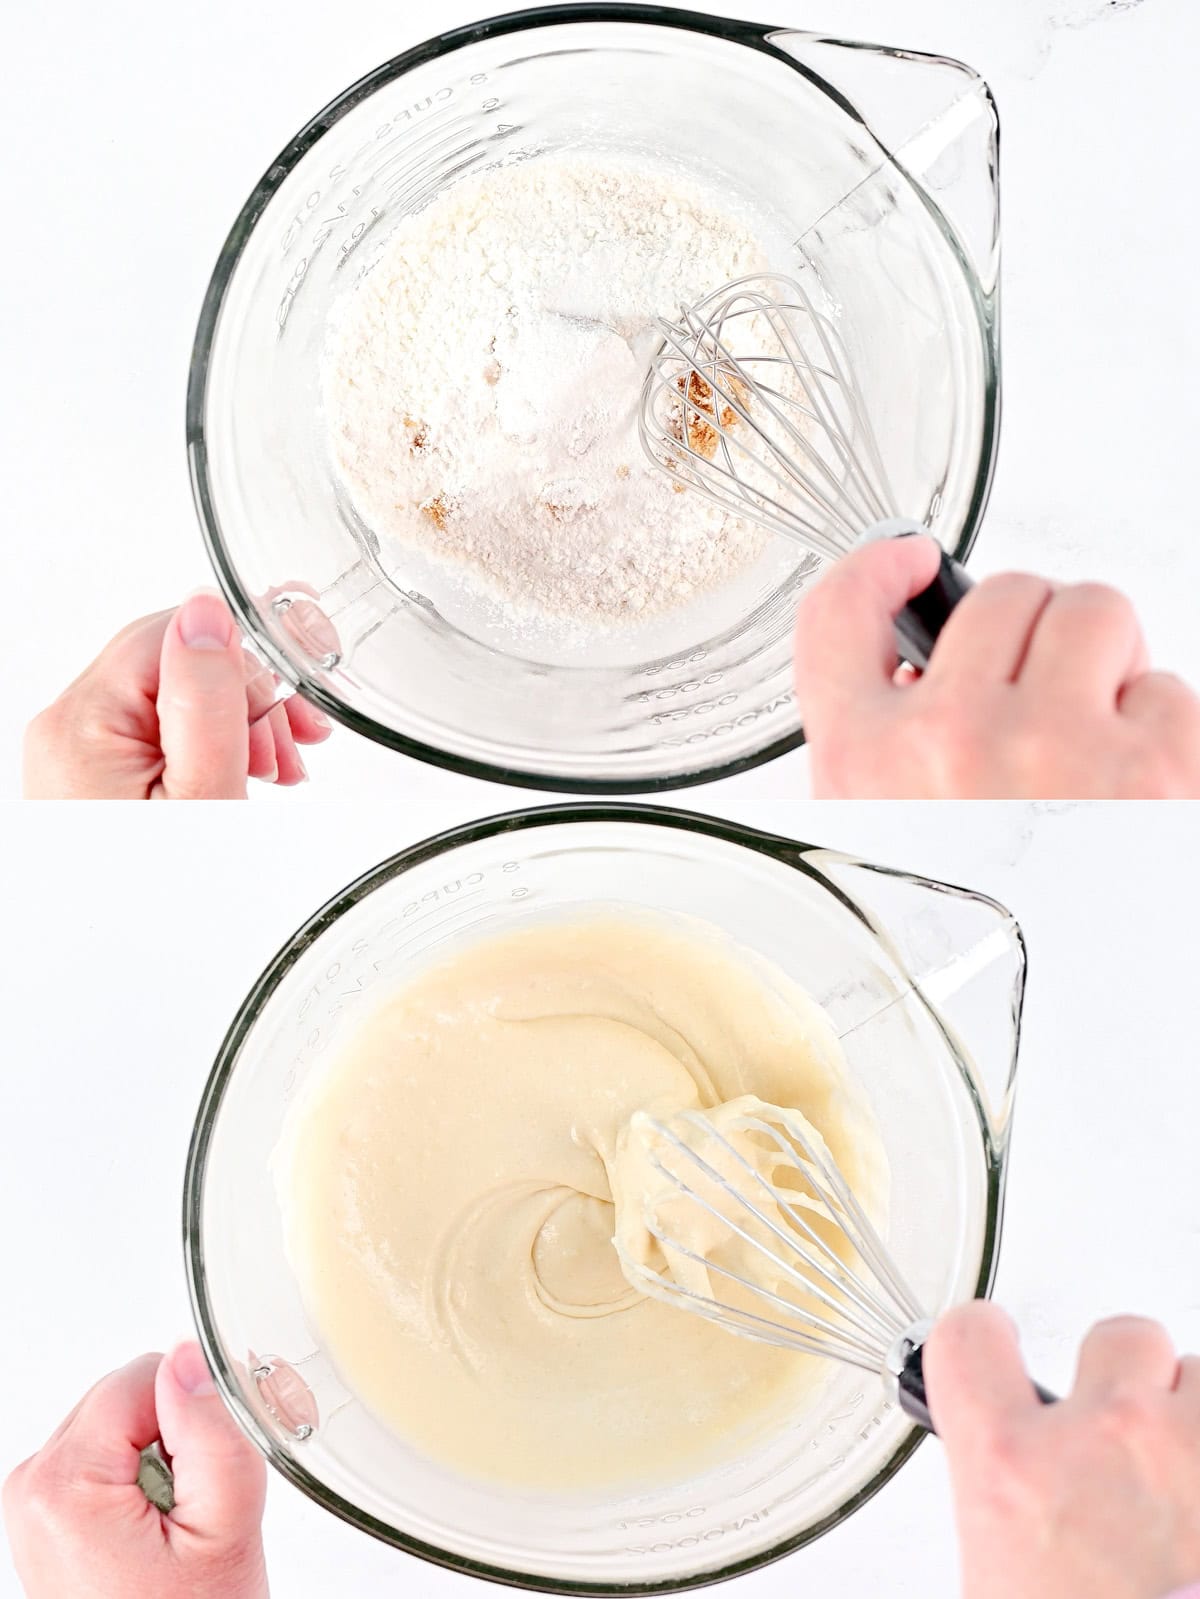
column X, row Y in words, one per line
column 926, row 614
column 910, row 1383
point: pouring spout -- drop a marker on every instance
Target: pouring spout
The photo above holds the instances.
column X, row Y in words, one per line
column 943, row 982
column 940, row 984
column 932, row 119
column 957, row 954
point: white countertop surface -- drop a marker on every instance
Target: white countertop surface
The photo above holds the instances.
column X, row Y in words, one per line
column 130, row 939
column 142, row 131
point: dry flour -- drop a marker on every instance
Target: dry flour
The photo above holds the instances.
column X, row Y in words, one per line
column 482, row 380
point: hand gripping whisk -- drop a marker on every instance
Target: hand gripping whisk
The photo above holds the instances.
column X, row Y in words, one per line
column 752, row 401
column 754, row 1227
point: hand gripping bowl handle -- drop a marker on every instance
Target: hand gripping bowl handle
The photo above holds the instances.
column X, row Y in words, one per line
column 322, row 630
column 264, row 690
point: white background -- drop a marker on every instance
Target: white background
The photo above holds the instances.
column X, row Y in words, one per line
column 130, row 938
column 138, row 129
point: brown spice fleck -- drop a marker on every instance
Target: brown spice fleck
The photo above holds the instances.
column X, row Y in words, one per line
column 622, row 470
column 702, row 434
column 436, row 510
column 417, row 442
column 563, row 513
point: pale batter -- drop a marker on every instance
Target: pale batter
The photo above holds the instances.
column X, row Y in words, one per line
column 447, row 1191
column 716, row 1207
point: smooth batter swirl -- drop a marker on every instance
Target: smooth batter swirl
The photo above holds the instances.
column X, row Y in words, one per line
column 448, row 1184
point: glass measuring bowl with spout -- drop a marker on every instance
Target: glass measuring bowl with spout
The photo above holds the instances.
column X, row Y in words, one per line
column 871, row 174
column 922, row 981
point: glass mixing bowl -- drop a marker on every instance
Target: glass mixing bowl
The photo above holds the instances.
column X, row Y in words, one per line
column 872, row 174
column 935, row 1064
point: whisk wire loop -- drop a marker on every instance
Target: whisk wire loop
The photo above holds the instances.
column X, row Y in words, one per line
column 781, row 472
column 762, row 1329
column 819, row 404
column 795, row 1312
column 823, row 1264
column 850, row 1314
column 707, row 354
column 844, row 1207
column 752, row 401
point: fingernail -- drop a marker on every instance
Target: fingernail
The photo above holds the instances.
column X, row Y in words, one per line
column 204, row 622
column 320, row 721
column 190, row 1370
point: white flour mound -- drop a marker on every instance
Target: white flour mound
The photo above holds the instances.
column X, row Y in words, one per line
column 483, row 376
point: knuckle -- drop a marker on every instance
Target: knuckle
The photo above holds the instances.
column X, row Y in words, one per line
column 12, row 1494
column 974, row 1314
column 90, row 729
column 1130, row 1413
column 33, row 1492
column 39, row 1500
column 1171, row 683
column 960, row 1334
column 45, row 732
column 1129, row 1327
column 1007, row 1459
column 1146, row 1336
column 1155, row 772
column 1185, row 716
column 131, row 630
column 75, row 723
column 1009, row 586
column 959, row 1326
column 1107, row 602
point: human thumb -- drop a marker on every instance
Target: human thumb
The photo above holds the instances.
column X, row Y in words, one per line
column 220, row 1478
column 203, row 725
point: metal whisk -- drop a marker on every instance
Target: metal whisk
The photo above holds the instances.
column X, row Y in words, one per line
column 752, row 401
column 790, row 1210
